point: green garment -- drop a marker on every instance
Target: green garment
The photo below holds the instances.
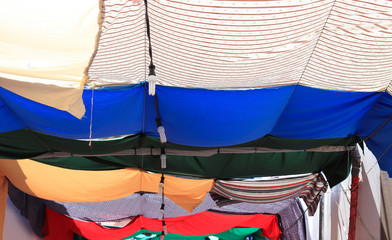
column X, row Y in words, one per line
column 231, row 234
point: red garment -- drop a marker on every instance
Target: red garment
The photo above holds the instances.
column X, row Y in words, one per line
column 60, row 227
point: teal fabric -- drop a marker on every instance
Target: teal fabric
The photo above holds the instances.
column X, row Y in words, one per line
column 232, row 234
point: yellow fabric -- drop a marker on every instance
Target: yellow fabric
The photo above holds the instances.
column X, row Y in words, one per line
column 59, row 184
column 48, row 42
column 188, row 193
column 3, row 202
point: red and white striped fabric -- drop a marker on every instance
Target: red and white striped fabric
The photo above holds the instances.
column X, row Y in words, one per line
column 329, row 44
column 309, row 188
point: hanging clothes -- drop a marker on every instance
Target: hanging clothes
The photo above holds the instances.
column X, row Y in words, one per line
column 60, row 227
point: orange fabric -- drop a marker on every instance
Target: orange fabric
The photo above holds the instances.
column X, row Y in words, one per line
column 60, row 184
column 189, row 192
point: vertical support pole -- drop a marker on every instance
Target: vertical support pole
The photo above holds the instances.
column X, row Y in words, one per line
column 321, row 218
column 354, row 193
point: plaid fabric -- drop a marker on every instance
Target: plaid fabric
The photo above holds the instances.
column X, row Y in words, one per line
column 309, row 188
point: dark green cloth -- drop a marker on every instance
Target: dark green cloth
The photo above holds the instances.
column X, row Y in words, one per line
column 25, row 143
column 336, row 166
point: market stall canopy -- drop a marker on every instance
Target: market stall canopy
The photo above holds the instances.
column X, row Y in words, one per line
column 228, row 72
column 243, row 88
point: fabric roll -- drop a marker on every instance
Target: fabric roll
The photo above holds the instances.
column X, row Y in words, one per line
column 60, row 227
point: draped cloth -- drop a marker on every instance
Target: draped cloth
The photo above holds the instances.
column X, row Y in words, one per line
column 148, row 205
column 309, row 188
column 59, row 184
column 60, row 227
column 46, row 49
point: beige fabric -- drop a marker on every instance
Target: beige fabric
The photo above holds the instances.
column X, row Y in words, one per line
column 339, row 45
column 66, row 99
column 49, row 42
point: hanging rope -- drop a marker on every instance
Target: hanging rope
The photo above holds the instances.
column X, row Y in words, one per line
column 161, row 130
column 163, row 158
column 91, row 116
column 151, row 75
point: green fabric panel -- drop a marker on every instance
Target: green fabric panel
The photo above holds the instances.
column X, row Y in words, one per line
column 231, row 234
column 268, row 142
column 21, row 144
column 336, row 166
column 27, row 144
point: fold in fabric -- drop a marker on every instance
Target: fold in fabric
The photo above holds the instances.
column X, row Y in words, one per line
column 60, row 227
column 59, row 184
column 309, row 188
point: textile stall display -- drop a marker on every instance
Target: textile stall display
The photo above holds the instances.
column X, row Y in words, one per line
column 59, row 184
column 148, row 204
column 61, row 227
column 108, row 98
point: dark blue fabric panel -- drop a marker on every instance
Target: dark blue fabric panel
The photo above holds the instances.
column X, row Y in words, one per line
column 380, row 145
column 200, row 117
column 8, row 122
column 317, row 113
column 116, row 111
column 380, row 142
column 379, row 113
